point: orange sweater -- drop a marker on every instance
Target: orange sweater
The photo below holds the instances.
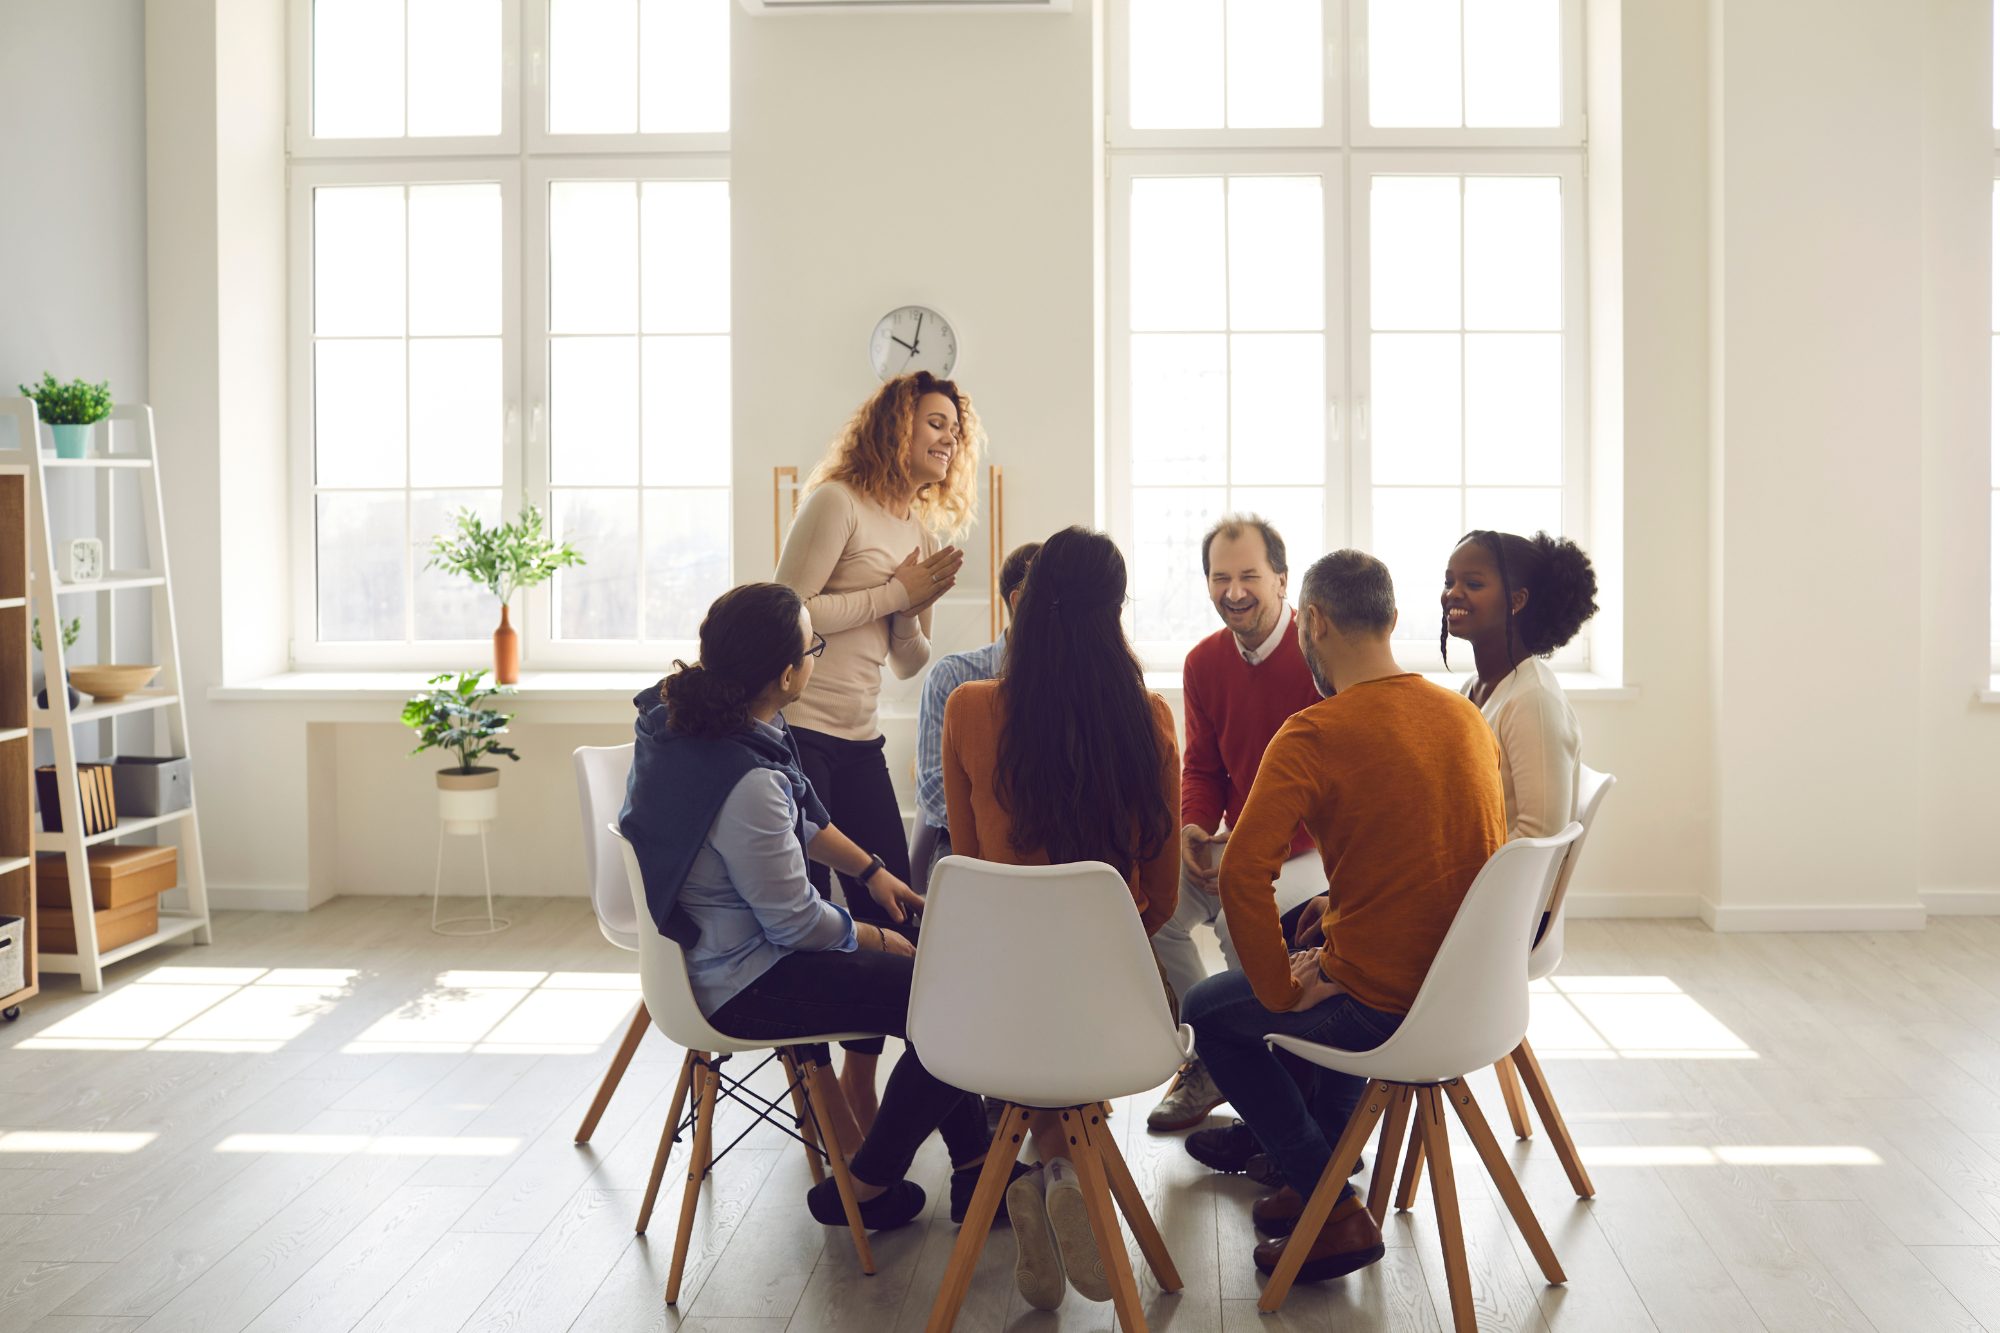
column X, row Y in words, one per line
column 1399, row 782
column 981, row 827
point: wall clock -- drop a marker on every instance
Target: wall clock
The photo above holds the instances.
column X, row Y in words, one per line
column 913, row 338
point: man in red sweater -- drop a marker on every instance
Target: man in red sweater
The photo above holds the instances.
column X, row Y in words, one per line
column 1238, row 687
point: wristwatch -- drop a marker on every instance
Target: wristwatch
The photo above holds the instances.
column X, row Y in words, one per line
column 875, row 863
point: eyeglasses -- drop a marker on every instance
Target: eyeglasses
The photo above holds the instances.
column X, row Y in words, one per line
column 819, row 645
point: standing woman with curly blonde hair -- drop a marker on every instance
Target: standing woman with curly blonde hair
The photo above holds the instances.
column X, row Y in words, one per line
column 868, row 552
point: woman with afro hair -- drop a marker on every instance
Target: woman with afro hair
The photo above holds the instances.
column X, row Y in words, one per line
column 1516, row 600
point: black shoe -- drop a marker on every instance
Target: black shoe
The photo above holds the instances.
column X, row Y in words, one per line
column 965, row 1180
column 1228, row 1149
column 896, row 1206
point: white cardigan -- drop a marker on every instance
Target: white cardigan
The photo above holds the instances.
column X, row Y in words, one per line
column 1539, row 748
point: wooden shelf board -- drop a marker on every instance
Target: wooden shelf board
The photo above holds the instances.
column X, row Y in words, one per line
column 97, row 460
column 13, row 734
column 9, row 602
column 25, row 993
column 117, row 579
column 173, row 925
column 9, row 864
column 56, row 842
column 136, row 702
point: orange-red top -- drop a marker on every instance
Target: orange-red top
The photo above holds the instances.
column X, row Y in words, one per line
column 981, row 827
column 1398, row 781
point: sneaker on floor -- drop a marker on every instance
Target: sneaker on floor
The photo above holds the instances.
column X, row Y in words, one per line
column 1069, row 1218
column 1189, row 1101
column 1038, row 1265
column 896, row 1206
column 1226, row 1148
column 965, row 1182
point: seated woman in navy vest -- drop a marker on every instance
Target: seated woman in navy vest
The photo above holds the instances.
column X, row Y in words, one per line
column 723, row 820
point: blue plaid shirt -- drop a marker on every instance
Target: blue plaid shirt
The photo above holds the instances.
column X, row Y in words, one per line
column 947, row 674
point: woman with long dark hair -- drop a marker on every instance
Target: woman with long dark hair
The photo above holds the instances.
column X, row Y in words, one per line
column 1066, row 757
column 724, row 821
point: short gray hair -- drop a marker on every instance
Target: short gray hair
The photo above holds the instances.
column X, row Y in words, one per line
column 1353, row 590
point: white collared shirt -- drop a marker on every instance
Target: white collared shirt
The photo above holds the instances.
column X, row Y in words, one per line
column 1255, row 656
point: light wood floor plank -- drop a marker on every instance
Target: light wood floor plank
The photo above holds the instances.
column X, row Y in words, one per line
column 1889, row 1283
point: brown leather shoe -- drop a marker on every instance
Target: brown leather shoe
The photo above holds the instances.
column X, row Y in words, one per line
column 1348, row 1241
column 1276, row 1214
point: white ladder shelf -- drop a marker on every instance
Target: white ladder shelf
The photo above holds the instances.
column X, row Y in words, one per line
column 164, row 700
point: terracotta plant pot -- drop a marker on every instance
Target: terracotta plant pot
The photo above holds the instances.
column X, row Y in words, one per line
column 467, row 800
column 506, row 652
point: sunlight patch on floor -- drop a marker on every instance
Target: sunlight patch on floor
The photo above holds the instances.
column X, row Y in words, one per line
column 1629, row 1018
column 72, row 1141
column 506, row 1013
column 1750, row 1154
column 378, row 1145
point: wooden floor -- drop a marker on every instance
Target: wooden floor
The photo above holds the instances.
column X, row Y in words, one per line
column 340, row 1121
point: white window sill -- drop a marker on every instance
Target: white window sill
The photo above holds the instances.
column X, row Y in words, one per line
column 374, row 686
column 1991, row 694
column 1579, row 685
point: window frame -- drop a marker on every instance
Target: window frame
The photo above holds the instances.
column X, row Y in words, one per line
column 543, row 648
column 1120, row 134
column 1571, row 133
column 1330, row 166
column 301, row 144
column 1575, row 482
column 308, row 650
column 535, row 38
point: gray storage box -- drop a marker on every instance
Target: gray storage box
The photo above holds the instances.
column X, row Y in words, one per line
column 149, row 785
column 13, row 954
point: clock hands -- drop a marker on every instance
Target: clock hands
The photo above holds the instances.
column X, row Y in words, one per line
column 912, row 347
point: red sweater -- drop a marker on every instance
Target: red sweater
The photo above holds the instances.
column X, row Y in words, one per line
column 1233, row 710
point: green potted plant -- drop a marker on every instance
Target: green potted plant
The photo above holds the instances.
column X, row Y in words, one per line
column 450, row 718
column 70, row 630
column 503, row 559
column 70, row 411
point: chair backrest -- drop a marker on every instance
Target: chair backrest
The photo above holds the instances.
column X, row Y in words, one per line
column 1591, row 789
column 1473, row 1006
column 1005, row 1006
column 663, row 978
column 601, row 771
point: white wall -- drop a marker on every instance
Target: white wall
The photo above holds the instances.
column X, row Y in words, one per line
column 1803, row 219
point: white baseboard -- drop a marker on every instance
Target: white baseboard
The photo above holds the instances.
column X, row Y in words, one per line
column 1613, row 905
column 1829, row 916
column 249, row 898
column 1960, row 902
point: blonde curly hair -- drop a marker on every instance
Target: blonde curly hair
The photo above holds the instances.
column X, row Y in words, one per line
column 868, row 455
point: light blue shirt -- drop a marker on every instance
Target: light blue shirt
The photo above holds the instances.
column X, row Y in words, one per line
column 749, row 894
column 947, row 674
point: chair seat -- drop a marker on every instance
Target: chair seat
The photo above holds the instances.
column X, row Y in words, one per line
column 727, row 1045
column 1390, row 1062
column 1055, row 1085
column 626, row 940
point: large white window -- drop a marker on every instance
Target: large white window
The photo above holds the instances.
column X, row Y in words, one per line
column 484, row 317
column 1347, row 287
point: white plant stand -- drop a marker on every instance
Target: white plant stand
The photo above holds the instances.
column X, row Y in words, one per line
column 467, row 803
column 163, row 698
column 493, row 924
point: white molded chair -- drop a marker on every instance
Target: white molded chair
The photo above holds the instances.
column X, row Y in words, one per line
column 601, row 771
column 663, row 980
column 1521, row 1066
column 979, row 1027
column 1471, row 1010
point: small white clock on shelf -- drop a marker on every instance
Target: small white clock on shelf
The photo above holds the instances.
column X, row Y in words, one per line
column 86, row 560
column 913, row 338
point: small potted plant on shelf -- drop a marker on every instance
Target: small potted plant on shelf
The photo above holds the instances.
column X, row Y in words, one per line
column 503, row 559
column 450, row 718
column 71, row 629
column 70, row 410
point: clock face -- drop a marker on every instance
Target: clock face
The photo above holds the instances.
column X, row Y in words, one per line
column 911, row 339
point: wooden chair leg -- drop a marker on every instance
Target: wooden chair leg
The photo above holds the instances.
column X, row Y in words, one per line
column 637, row 1029
column 1086, row 1156
column 1130, row 1202
column 1367, row 1111
column 993, row 1179
column 1545, row 1106
column 706, row 1081
column 1387, row 1146
column 667, row 1138
column 1481, row 1134
column 1444, row 1194
column 820, row 1086
column 1510, row 1092
column 1413, row 1163
column 799, row 1116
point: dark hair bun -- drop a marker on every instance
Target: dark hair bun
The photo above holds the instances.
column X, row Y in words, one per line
column 1562, row 593
column 749, row 638
column 702, row 703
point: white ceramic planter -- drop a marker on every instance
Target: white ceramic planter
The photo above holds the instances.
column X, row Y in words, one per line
column 467, row 800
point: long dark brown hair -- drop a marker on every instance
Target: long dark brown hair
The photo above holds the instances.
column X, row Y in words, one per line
column 1079, row 763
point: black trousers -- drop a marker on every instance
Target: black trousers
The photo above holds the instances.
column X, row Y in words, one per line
column 808, row 993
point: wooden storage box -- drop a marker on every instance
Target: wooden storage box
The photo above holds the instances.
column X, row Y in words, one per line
column 119, row 876
column 118, row 925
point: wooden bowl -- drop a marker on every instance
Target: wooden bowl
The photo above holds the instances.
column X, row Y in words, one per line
column 109, row 684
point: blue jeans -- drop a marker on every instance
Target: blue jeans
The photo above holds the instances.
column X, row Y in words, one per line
column 1297, row 1109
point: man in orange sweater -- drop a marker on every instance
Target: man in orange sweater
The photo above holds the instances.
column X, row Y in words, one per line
column 1398, row 780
